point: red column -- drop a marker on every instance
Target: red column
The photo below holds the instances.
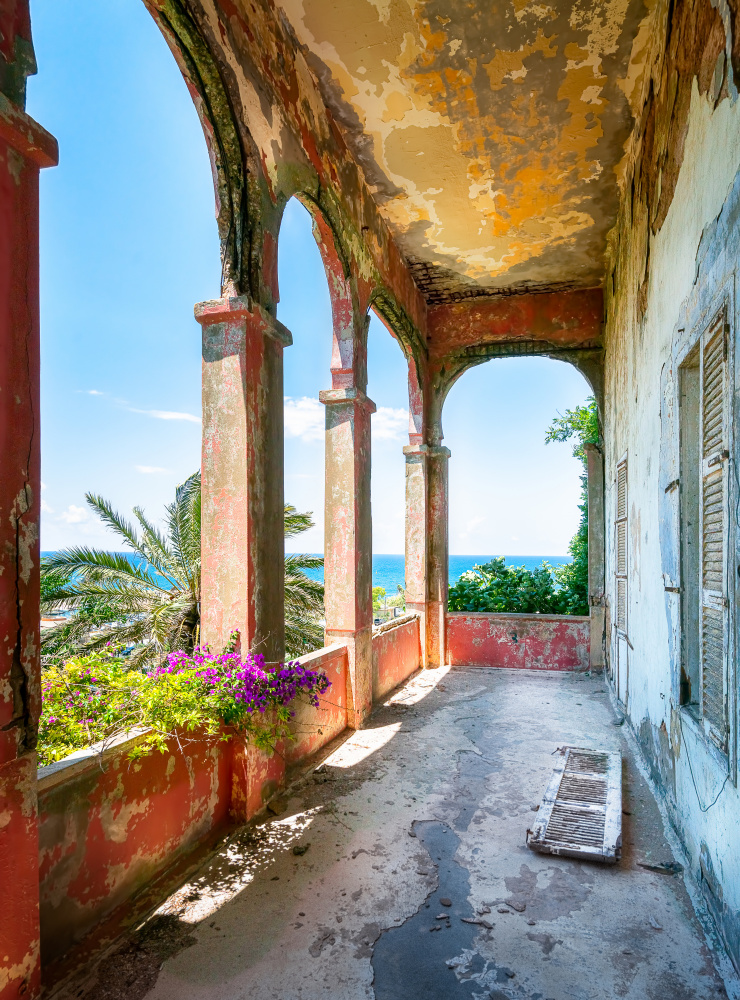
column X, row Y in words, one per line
column 24, row 148
column 348, row 561
column 437, row 554
column 242, row 547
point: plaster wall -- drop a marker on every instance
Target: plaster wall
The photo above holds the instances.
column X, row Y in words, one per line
column 528, row 642
column 109, row 825
column 396, row 654
column 666, row 284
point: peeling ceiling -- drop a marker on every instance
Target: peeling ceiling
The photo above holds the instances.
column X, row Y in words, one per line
column 489, row 132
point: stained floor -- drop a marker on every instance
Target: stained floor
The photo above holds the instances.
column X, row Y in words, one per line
column 399, row 870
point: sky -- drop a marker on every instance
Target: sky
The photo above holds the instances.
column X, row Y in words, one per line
column 128, row 246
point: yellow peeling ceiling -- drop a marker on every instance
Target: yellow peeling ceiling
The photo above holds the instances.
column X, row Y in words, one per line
column 489, row 132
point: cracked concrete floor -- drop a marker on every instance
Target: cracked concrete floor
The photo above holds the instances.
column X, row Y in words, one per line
column 399, row 870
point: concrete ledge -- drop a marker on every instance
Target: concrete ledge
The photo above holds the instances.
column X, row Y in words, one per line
column 518, row 641
column 395, row 622
column 81, row 761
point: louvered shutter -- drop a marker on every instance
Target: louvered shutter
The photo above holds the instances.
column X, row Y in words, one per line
column 621, row 547
column 714, row 530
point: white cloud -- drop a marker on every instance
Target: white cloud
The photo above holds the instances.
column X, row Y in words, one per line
column 90, row 392
column 149, row 469
column 471, row 526
column 390, row 424
column 167, row 415
column 45, row 508
column 304, row 418
column 74, row 515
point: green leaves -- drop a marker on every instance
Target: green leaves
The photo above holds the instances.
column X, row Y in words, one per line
column 495, row 587
column 150, row 599
column 581, row 424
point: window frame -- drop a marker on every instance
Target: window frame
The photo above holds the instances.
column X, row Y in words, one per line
column 722, row 304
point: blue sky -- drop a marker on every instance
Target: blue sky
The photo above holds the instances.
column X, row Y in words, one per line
column 129, row 244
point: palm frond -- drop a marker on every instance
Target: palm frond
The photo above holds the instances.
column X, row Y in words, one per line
column 114, row 521
column 296, row 522
column 157, row 551
column 95, row 564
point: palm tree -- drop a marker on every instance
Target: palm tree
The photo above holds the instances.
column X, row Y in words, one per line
column 304, row 597
column 149, row 600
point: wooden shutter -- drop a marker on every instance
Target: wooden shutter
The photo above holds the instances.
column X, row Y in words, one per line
column 714, row 530
column 621, row 547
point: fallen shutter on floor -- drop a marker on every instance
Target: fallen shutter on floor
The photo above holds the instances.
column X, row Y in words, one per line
column 621, row 547
column 581, row 812
column 714, row 533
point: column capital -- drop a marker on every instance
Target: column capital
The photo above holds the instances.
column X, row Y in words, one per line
column 236, row 307
column 26, row 136
column 350, row 395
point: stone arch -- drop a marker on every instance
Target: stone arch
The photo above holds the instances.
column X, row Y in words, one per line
column 444, row 374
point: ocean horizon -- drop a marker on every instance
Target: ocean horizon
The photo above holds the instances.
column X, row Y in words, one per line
column 389, row 569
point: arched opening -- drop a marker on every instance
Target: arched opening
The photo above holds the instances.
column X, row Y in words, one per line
column 387, row 370
column 305, row 309
column 128, row 244
column 511, row 495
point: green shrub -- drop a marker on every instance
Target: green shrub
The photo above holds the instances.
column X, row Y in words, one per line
column 494, row 586
column 99, row 697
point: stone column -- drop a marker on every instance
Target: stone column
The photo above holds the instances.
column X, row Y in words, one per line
column 348, row 541
column 427, row 555
column 417, row 507
column 437, row 554
column 243, row 547
column 596, row 554
column 25, row 148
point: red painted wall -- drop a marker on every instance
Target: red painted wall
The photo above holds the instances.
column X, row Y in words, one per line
column 105, row 831
column 396, row 655
column 532, row 642
column 24, row 149
column 315, row 727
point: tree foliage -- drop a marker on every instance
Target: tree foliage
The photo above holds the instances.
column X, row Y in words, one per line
column 99, row 698
column 147, row 601
column 494, row 586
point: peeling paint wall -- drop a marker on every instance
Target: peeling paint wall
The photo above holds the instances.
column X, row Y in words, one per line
column 107, row 827
column 25, row 148
column 672, row 263
column 396, row 655
column 488, row 133
column 523, row 642
column 312, row 727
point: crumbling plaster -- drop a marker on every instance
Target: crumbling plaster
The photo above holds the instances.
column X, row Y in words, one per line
column 488, row 134
column 670, row 267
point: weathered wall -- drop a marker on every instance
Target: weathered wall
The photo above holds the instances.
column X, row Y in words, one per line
column 24, row 149
column 312, row 727
column 396, row 654
column 106, row 827
column 531, row 642
column 673, row 261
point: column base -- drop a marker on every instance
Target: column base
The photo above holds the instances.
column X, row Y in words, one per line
column 359, row 672
column 433, row 632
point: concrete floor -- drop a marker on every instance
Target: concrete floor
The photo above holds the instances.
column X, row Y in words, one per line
column 340, row 894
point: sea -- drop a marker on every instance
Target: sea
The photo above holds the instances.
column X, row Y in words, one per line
column 389, row 569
